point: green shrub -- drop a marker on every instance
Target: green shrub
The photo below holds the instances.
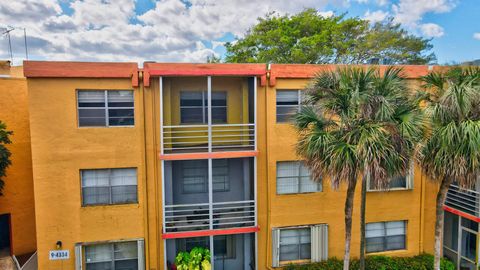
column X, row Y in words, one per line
column 420, row 262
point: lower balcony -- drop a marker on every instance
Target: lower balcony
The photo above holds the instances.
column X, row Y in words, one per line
column 200, row 198
column 464, row 200
column 230, row 252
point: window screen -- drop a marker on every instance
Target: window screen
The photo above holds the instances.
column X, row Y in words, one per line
column 195, row 176
column 117, row 256
column 384, row 236
column 288, row 104
column 194, row 107
column 294, row 177
column 105, row 108
column 109, row 186
column 295, row 244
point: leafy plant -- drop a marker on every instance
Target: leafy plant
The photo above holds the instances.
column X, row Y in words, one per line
column 4, row 152
column 197, row 259
column 419, row 262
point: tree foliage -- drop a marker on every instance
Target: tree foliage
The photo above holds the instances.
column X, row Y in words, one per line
column 310, row 38
column 358, row 122
column 4, row 153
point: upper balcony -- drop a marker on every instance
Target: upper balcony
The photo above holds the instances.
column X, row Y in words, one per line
column 208, row 114
column 464, row 200
column 206, row 108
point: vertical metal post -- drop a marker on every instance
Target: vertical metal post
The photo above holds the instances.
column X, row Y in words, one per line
column 255, row 112
column 210, row 207
column 106, row 108
column 160, row 83
column 209, row 110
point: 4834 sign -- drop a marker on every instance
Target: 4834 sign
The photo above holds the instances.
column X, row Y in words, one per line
column 59, row 255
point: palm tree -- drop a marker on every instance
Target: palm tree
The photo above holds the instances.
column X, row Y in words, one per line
column 357, row 122
column 451, row 152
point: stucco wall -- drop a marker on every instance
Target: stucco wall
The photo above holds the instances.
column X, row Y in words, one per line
column 18, row 192
column 60, row 149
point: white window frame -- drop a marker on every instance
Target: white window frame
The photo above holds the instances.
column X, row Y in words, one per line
column 299, row 103
column 409, row 179
column 106, row 108
column 204, row 106
column 384, row 223
column 109, row 186
column 318, row 243
column 225, row 177
column 80, row 260
column 299, row 177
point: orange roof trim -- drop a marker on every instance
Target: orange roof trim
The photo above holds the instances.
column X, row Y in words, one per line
column 305, row 71
column 187, row 69
column 48, row 69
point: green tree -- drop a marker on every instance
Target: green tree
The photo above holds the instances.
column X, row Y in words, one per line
column 310, row 38
column 357, row 122
column 452, row 149
column 4, row 153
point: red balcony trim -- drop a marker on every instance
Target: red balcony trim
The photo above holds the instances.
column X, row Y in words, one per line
column 209, row 233
column 460, row 213
column 188, row 156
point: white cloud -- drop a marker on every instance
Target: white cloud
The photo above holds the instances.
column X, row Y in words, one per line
column 382, row 2
column 476, row 36
column 109, row 30
column 375, row 16
column 432, row 30
column 410, row 12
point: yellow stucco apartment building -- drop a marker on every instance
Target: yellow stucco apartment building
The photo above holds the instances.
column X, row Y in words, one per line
column 132, row 165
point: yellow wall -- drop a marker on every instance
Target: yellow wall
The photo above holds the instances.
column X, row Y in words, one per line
column 18, row 191
column 60, row 149
column 327, row 206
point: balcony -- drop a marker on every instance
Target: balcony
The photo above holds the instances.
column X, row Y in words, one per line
column 465, row 200
column 208, row 195
column 207, row 114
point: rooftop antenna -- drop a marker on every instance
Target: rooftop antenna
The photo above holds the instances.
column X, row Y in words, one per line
column 25, row 39
column 7, row 32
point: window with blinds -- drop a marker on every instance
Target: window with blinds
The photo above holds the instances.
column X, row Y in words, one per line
column 294, row 177
column 384, row 236
column 194, row 107
column 288, row 104
column 396, row 183
column 195, row 176
column 109, row 186
column 105, row 108
column 112, row 255
column 299, row 244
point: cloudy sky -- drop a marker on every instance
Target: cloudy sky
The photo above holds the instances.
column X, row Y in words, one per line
column 191, row 30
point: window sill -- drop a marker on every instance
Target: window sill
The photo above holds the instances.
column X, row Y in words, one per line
column 388, row 252
column 88, row 127
column 285, row 263
column 301, row 193
column 388, row 190
column 118, row 205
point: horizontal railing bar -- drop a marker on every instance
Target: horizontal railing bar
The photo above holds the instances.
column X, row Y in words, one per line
column 232, row 223
column 186, row 205
column 233, row 213
column 224, row 218
column 466, row 192
column 185, row 226
column 233, row 207
column 232, row 146
column 464, row 189
column 185, row 142
column 465, row 198
column 213, row 136
column 232, row 125
column 219, row 141
column 213, row 125
column 187, row 221
column 463, row 208
column 186, row 131
column 232, row 202
column 185, row 148
column 183, row 216
column 185, row 126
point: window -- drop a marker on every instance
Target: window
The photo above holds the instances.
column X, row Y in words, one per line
column 384, row 236
column 224, row 247
column 105, row 108
column 396, row 183
column 295, row 244
column 109, row 186
column 298, row 244
column 195, row 176
column 194, row 107
column 115, row 256
column 288, row 104
column 293, row 177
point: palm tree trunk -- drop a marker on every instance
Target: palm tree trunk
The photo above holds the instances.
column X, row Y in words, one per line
column 348, row 221
column 441, row 195
column 363, row 207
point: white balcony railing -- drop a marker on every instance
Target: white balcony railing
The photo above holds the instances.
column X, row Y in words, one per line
column 465, row 200
column 195, row 217
column 196, row 138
